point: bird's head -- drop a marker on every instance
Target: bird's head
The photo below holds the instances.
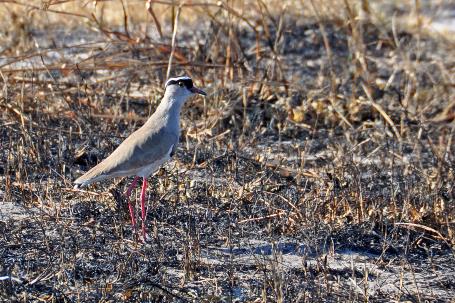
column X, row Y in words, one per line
column 181, row 88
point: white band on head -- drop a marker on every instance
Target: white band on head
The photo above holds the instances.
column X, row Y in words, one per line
column 176, row 79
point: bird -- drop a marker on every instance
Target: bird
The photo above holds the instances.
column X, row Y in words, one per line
column 149, row 147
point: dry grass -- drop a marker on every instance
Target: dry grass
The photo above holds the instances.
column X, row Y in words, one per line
column 319, row 168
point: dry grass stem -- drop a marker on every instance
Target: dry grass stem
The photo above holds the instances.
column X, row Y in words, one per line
column 320, row 168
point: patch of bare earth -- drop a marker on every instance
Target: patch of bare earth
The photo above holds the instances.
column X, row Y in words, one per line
column 319, row 168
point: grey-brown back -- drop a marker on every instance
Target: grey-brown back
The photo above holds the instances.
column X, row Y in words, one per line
column 150, row 143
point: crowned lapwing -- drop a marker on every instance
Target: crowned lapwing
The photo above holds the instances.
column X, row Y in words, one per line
column 149, row 147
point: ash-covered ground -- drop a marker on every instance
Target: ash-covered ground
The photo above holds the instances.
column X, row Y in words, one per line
column 306, row 175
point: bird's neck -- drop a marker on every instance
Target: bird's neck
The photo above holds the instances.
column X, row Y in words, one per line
column 170, row 106
column 169, row 111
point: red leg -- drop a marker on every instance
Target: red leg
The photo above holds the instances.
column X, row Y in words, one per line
column 144, row 187
column 130, row 188
column 130, row 207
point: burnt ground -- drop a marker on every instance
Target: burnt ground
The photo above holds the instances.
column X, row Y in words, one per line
column 291, row 183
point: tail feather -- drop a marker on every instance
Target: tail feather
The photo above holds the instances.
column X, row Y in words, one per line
column 93, row 175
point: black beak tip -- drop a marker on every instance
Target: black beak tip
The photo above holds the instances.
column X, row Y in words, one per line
column 196, row 90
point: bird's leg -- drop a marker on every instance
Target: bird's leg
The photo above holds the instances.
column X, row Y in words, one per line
column 130, row 207
column 144, row 187
column 130, row 188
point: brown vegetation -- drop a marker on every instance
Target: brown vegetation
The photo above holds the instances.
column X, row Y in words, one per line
column 319, row 168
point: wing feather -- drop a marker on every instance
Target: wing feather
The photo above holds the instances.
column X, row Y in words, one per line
column 142, row 148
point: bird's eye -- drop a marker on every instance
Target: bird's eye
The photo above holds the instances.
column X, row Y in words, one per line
column 181, row 83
